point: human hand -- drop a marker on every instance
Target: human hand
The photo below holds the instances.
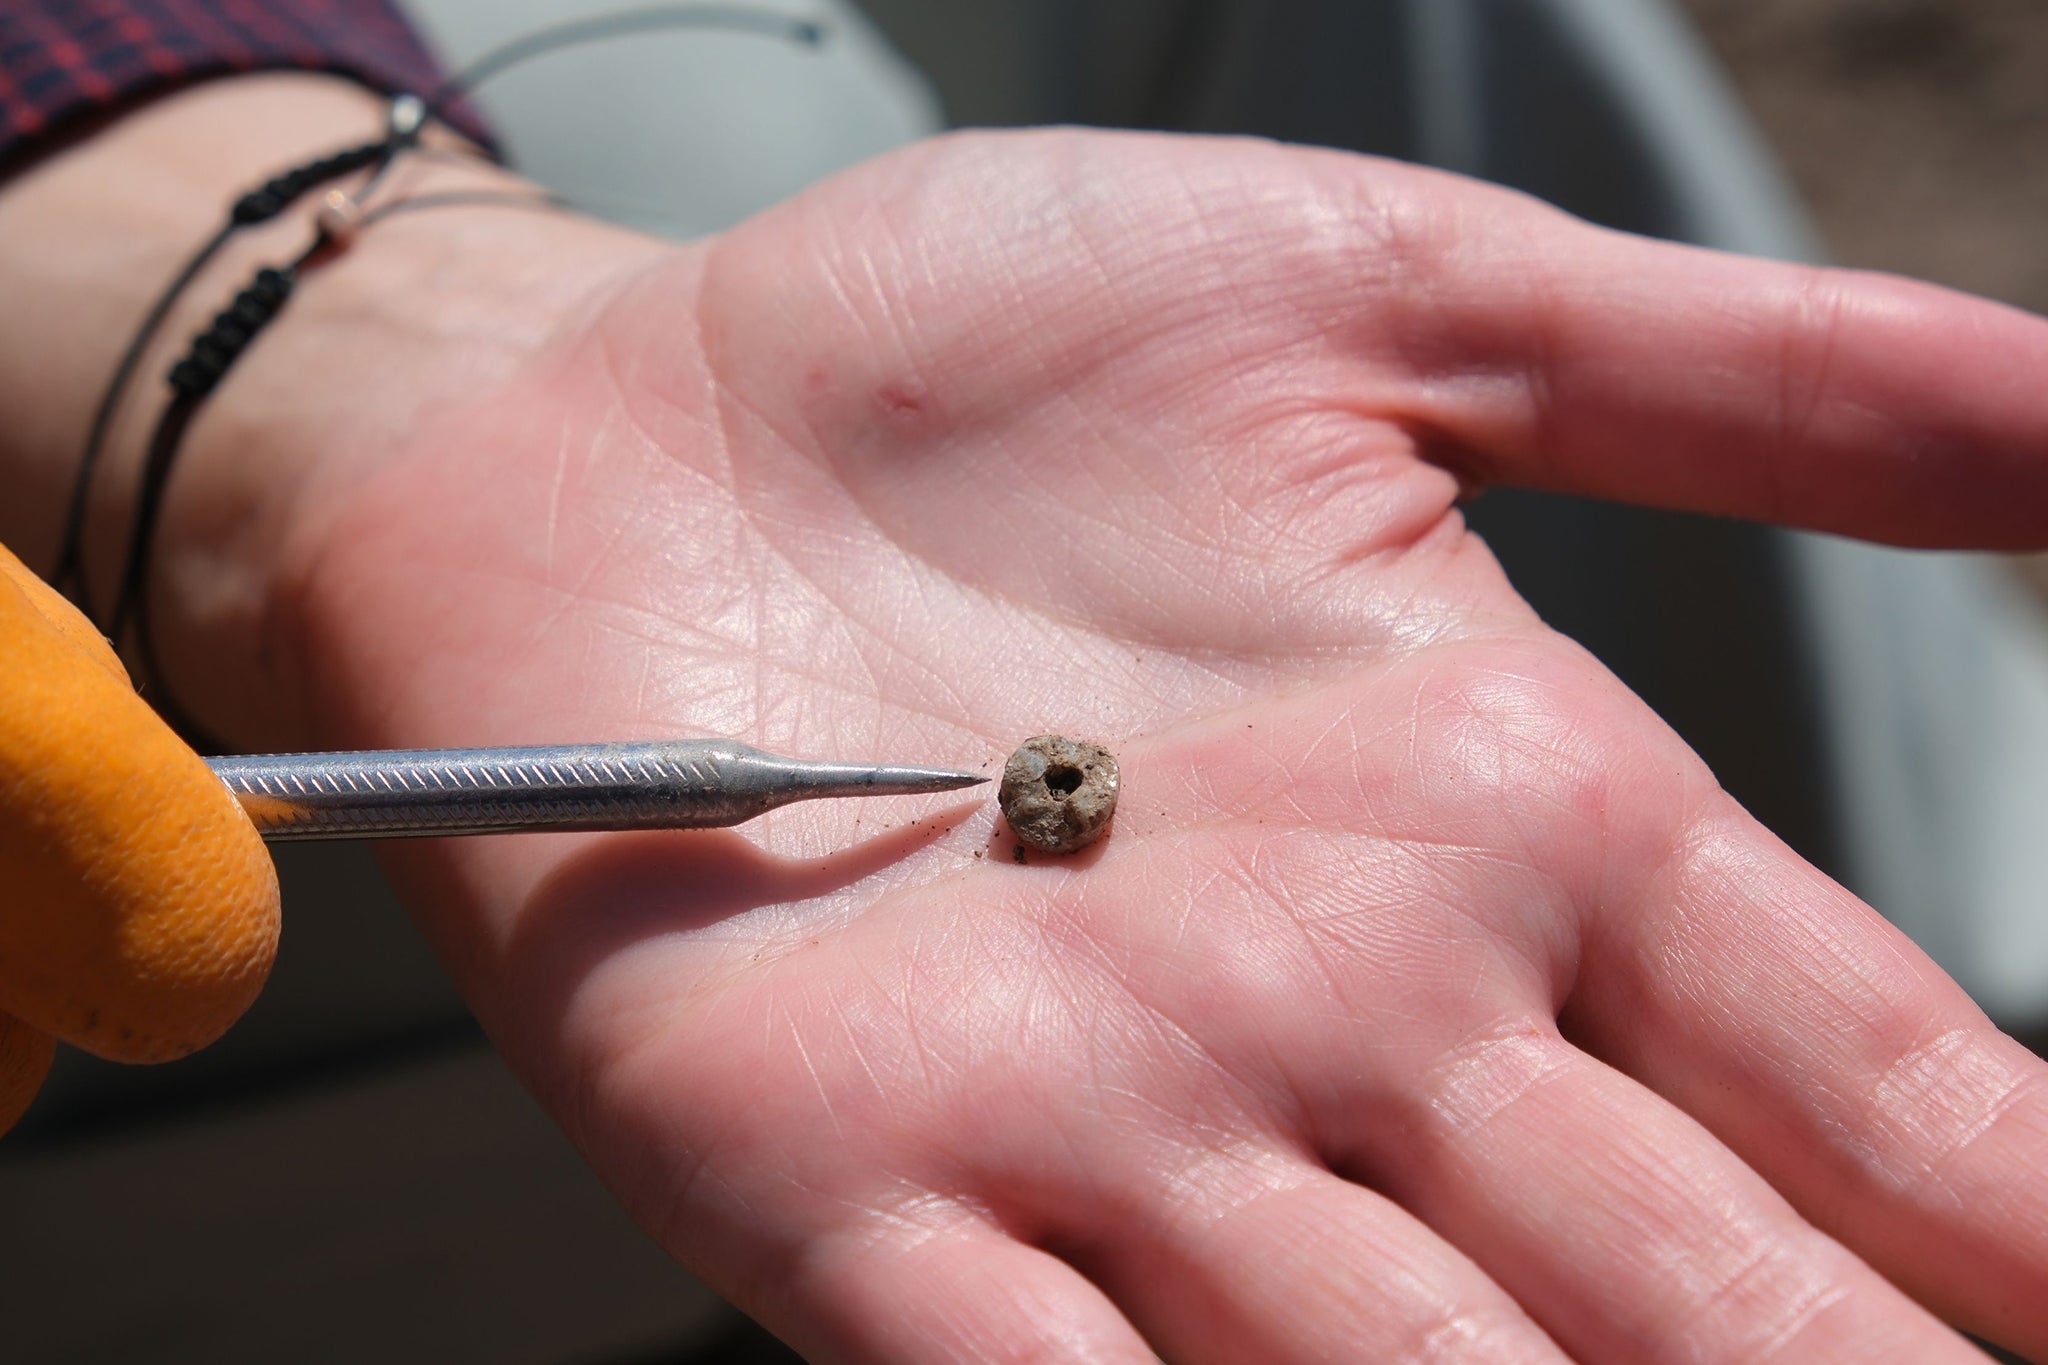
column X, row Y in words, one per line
column 1428, row 997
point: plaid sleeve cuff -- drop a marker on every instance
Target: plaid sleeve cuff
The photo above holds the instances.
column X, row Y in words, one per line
column 63, row 60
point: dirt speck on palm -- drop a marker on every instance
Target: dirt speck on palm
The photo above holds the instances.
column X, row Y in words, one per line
column 1059, row 794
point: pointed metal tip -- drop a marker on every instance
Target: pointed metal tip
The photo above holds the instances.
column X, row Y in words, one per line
column 901, row 781
column 804, row 781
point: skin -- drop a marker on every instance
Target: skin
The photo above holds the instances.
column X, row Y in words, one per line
column 1429, row 999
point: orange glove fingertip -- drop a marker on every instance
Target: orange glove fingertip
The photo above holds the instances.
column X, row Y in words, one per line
column 142, row 913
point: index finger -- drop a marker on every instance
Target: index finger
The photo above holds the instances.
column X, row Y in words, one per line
column 1550, row 354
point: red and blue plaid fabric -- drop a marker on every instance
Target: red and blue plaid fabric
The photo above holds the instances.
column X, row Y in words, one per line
column 62, row 60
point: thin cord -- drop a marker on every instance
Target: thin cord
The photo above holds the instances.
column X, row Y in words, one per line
column 602, row 28
column 449, row 199
column 70, row 569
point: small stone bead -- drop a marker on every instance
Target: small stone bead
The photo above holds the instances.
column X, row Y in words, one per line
column 1058, row 794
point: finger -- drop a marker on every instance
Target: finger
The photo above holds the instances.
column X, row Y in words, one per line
column 907, row 1297
column 1624, row 1227
column 1550, row 354
column 1277, row 1261
column 1839, row 1062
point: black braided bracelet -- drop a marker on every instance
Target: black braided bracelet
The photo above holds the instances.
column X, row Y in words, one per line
column 216, row 348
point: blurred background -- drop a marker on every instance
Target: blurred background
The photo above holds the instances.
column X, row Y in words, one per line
column 1915, row 130
column 351, row 1174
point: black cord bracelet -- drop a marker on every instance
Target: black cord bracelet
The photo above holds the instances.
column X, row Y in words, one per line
column 235, row 328
column 195, row 376
column 259, row 205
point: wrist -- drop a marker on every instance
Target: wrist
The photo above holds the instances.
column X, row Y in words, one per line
column 422, row 307
column 423, row 311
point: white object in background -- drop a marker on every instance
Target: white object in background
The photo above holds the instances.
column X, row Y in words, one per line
column 684, row 132
column 1936, row 711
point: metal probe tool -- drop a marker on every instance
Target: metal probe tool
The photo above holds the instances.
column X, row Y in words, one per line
column 663, row 784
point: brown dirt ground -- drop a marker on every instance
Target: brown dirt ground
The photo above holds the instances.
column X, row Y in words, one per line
column 1917, row 131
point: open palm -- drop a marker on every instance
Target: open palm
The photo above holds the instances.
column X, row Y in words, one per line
column 1428, row 1000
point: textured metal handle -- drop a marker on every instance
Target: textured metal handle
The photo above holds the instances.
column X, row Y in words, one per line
column 661, row 785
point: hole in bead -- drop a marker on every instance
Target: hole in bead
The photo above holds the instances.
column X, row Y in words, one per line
column 1062, row 779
